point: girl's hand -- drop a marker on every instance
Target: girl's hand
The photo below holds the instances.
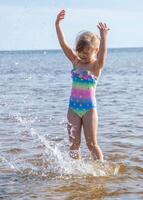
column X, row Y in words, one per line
column 103, row 28
column 60, row 16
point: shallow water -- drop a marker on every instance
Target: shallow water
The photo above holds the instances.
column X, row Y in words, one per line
column 34, row 161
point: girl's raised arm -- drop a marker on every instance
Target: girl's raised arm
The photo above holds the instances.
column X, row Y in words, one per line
column 67, row 50
column 102, row 53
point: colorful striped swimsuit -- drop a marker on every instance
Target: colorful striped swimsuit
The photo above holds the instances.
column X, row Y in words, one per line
column 82, row 98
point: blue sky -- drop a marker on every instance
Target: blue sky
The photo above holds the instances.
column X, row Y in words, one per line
column 29, row 24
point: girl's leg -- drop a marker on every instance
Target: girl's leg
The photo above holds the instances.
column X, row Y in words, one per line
column 74, row 130
column 90, row 125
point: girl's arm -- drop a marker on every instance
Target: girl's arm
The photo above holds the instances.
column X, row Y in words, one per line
column 67, row 50
column 102, row 53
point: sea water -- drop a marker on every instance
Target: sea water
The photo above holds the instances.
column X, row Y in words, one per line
column 34, row 159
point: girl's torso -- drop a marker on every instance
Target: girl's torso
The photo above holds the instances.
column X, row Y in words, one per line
column 82, row 96
column 83, row 80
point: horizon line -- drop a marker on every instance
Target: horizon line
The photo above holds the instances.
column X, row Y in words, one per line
column 6, row 50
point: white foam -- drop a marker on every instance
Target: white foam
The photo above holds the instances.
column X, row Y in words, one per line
column 59, row 161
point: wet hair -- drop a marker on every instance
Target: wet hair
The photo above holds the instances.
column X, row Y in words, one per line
column 87, row 40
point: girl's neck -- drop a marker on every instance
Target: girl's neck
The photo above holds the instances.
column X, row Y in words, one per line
column 87, row 62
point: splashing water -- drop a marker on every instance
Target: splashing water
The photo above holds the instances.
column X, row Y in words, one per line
column 61, row 163
column 58, row 160
column 10, row 164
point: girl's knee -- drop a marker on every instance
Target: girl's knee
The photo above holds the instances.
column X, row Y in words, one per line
column 75, row 144
column 91, row 146
column 95, row 151
column 71, row 128
column 74, row 133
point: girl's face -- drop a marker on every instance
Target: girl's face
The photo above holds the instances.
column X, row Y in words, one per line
column 87, row 55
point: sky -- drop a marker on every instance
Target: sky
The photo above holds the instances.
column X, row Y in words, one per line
column 30, row 24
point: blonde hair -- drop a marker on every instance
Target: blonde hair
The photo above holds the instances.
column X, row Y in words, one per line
column 87, row 40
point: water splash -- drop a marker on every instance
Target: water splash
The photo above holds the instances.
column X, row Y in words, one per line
column 8, row 163
column 61, row 163
column 58, row 161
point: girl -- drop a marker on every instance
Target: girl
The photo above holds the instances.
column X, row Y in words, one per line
column 88, row 60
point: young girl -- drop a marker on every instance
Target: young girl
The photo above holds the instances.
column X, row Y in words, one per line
column 88, row 60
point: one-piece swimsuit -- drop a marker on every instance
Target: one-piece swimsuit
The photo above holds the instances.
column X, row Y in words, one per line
column 82, row 98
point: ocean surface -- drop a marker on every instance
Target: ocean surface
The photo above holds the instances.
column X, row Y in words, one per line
column 34, row 161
